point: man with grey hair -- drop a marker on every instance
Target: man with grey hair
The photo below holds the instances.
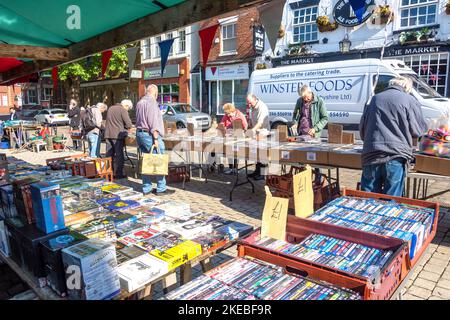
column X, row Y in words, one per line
column 92, row 124
column 259, row 120
column 118, row 124
column 388, row 126
column 149, row 132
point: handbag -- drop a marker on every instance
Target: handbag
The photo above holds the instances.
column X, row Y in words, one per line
column 154, row 164
column 435, row 144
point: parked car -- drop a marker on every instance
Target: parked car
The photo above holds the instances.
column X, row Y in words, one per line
column 182, row 114
column 28, row 114
column 52, row 116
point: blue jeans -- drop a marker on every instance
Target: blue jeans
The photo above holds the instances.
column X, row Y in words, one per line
column 94, row 145
column 145, row 143
column 387, row 178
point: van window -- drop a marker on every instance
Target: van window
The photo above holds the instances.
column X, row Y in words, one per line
column 383, row 82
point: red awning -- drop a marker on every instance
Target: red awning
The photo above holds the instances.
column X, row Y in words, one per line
column 9, row 63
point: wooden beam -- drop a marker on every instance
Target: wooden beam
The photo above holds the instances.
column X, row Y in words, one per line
column 186, row 13
column 32, row 52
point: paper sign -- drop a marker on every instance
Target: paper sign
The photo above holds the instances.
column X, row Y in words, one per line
column 303, row 193
column 311, row 156
column 274, row 217
column 285, row 155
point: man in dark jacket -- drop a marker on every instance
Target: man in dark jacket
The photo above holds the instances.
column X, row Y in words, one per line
column 388, row 126
column 75, row 119
column 118, row 123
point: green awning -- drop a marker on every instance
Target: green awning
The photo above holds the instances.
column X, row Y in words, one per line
column 47, row 23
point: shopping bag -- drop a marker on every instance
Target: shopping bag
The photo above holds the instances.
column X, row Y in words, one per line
column 154, row 164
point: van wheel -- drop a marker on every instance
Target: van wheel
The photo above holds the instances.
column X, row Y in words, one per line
column 180, row 125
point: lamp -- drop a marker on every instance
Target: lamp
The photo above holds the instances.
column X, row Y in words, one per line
column 345, row 44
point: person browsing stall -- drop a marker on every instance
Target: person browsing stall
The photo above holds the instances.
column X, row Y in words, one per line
column 388, row 126
column 149, row 132
column 118, row 123
column 92, row 123
column 75, row 120
column 259, row 120
column 310, row 113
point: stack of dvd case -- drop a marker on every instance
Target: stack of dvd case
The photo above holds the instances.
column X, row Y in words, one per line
column 244, row 279
column 388, row 218
column 335, row 253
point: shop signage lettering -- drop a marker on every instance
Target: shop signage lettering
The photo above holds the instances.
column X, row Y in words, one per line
column 293, row 61
column 410, row 51
column 258, row 39
column 171, row 71
column 344, row 15
column 231, row 72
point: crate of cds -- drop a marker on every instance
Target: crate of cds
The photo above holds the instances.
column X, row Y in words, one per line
column 368, row 264
column 412, row 221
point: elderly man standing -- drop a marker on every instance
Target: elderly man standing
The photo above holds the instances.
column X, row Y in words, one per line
column 259, row 120
column 118, row 123
column 149, row 132
column 92, row 123
column 388, row 126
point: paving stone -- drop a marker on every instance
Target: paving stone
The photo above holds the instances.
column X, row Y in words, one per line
column 429, row 276
column 438, row 262
column 434, row 268
column 443, row 283
column 442, row 292
column 408, row 296
column 426, row 284
column 420, row 292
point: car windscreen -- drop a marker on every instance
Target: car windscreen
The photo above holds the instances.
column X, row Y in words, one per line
column 184, row 108
column 422, row 87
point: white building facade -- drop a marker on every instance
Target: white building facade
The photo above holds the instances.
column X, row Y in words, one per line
column 418, row 34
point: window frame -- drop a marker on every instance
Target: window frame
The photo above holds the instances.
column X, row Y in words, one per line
column 180, row 41
column 417, row 6
column 222, row 39
column 311, row 23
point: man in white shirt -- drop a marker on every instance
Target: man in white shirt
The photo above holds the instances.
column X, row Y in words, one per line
column 259, row 120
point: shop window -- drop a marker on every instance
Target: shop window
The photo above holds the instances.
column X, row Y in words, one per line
column 432, row 68
column 228, row 91
column 305, row 27
column 31, row 96
column 229, row 38
column 156, row 49
column 47, row 94
column 240, row 94
column 4, row 100
column 170, row 36
column 416, row 13
column 147, row 49
column 181, row 41
column 168, row 93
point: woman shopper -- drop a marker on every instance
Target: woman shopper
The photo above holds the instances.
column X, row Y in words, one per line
column 75, row 121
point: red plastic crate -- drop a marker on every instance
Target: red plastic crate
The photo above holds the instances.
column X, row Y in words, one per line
column 413, row 202
column 298, row 229
column 178, row 174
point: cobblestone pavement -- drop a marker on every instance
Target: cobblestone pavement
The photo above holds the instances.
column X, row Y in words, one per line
column 429, row 280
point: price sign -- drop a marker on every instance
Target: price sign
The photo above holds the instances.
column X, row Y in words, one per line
column 303, row 193
column 274, row 218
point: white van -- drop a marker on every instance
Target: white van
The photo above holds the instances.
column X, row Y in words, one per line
column 345, row 86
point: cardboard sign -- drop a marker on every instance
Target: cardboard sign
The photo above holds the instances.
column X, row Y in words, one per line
column 303, row 193
column 282, row 133
column 274, row 217
column 335, row 132
column 190, row 128
column 348, row 138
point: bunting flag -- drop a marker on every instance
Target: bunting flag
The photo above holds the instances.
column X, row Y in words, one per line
column 164, row 47
column 206, row 40
column 271, row 14
column 106, row 56
column 359, row 7
column 55, row 79
column 131, row 55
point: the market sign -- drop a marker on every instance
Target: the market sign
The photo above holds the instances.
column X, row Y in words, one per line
column 345, row 16
column 171, row 71
column 259, row 35
column 408, row 50
column 231, row 72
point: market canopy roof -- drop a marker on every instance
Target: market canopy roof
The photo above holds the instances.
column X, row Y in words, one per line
column 52, row 32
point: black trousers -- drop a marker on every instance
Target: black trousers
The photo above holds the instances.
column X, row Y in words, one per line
column 114, row 149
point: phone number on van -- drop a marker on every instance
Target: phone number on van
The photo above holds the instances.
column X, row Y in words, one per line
column 339, row 114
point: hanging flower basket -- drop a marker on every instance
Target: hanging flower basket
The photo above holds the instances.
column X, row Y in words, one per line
column 447, row 8
column 324, row 24
column 381, row 15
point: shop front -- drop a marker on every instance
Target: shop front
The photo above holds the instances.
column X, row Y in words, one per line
column 173, row 85
column 227, row 84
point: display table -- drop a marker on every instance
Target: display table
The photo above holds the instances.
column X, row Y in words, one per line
column 18, row 134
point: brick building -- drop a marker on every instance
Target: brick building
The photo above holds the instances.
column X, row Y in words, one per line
column 231, row 60
column 178, row 83
column 7, row 96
